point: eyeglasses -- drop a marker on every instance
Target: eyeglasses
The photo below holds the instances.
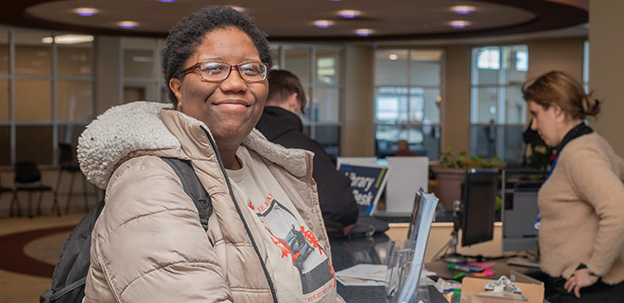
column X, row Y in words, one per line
column 217, row 71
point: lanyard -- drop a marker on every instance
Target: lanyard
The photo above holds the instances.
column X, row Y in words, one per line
column 552, row 167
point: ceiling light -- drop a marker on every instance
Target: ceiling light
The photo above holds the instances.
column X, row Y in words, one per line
column 68, row 39
column 86, row 11
column 463, row 9
column 459, row 24
column 323, row 23
column 393, row 57
column 167, row 1
column 363, row 32
column 238, row 8
column 349, row 13
column 127, row 24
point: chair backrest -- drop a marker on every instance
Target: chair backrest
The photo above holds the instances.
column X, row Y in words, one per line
column 66, row 155
column 27, row 172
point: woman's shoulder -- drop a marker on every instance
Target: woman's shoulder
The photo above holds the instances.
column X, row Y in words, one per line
column 145, row 182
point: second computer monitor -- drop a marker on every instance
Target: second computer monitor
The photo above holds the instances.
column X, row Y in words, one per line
column 478, row 205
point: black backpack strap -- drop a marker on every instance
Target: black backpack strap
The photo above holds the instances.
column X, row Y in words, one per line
column 192, row 187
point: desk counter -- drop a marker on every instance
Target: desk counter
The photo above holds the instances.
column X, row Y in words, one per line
column 373, row 250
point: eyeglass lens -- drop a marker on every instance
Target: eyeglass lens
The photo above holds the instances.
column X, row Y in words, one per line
column 218, row 71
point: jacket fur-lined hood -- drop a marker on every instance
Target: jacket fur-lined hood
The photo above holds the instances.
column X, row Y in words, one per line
column 137, row 126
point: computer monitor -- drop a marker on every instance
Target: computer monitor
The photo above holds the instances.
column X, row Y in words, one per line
column 478, row 205
column 520, row 210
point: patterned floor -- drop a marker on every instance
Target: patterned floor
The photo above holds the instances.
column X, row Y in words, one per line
column 29, row 249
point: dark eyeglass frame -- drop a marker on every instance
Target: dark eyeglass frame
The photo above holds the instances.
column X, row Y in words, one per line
column 196, row 67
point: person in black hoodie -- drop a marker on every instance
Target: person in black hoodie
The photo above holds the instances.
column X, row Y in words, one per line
column 280, row 123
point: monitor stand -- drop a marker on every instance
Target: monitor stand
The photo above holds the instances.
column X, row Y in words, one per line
column 453, row 256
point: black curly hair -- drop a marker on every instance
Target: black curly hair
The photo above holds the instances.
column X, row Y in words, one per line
column 189, row 33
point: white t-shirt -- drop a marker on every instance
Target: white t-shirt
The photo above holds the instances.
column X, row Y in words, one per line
column 302, row 270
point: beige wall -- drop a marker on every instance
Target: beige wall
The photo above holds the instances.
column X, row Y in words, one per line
column 358, row 134
column 556, row 54
column 606, row 73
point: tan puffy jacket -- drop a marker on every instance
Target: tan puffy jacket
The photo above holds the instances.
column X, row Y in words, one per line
column 148, row 244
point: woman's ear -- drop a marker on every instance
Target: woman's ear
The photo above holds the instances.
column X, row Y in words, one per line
column 175, row 85
column 560, row 115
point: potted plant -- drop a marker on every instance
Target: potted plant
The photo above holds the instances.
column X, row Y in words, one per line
column 450, row 173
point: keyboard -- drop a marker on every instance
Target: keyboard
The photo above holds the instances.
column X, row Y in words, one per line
column 523, row 262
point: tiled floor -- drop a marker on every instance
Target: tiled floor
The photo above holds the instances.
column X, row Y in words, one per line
column 16, row 287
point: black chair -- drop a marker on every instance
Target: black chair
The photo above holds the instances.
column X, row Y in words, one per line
column 4, row 189
column 69, row 164
column 28, row 179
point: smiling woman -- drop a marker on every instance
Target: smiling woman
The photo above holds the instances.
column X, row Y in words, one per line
column 265, row 240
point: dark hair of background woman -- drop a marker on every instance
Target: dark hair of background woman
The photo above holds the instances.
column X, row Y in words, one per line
column 188, row 34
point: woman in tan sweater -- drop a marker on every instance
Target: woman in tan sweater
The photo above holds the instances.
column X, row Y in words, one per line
column 581, row 204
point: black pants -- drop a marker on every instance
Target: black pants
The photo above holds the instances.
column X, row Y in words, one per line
column 597, row 293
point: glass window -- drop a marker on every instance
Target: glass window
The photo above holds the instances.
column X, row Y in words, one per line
column 513, row 74
column 68, row 133
column 298, row 62
column 320, row 78
column 32, row 56
column 136, row 91
column 4, row 100
column 32, row 100
column 485, row 104
column 498, row 111
column 275, row 56
column 515, row 106
column 74, row 101
column 4, row 52
column 425, row 67
column 484, row 138
column 329, row 137
column 391, row 67
column 403, row 111
column 487, row 61
column 34, row 143
column 325, row 104
column 327, row 62
column 513, row 143
column 431, row 106
column 75, row 59
column 139, row 58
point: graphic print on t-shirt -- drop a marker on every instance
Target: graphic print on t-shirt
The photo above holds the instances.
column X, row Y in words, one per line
column 298, row 243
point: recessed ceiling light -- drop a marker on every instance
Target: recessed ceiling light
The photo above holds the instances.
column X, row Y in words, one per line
column 349, row 13
column 393, row 57
column 459, row 24
column 323, row 23
column 86, row 11
column 167, row 1
column 127, row 24
column 363, row 32
column 463, row 9
column 68, row 39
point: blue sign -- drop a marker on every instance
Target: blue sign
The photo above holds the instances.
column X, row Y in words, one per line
column 367, row 183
